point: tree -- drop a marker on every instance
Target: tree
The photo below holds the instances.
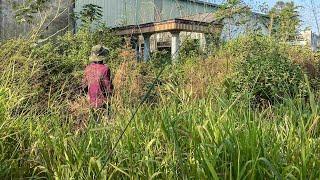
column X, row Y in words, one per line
column 25, row 11
column 284, row 21
column 231, row 8
column 91, row 13
column 232, row 12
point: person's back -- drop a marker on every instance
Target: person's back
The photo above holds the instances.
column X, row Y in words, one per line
column 97, row 78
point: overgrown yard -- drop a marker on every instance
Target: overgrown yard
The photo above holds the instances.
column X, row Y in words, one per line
column 250, row 111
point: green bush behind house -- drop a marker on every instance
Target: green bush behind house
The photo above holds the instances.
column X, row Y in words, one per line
column 269, row 77
column 263, row 72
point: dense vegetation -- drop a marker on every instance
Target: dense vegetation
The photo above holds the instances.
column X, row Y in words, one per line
column 248, row 111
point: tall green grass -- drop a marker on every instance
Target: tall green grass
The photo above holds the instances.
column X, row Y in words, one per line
column 189, row 132
column 179, row 138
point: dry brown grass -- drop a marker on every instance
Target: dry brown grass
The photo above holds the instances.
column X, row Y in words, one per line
column 128, row 83
column 304, row 57
column 208, row 73
column 127, row 54
column 79, row 110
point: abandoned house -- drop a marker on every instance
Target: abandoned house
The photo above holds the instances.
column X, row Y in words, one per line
column 163, row 24
column 151, row 24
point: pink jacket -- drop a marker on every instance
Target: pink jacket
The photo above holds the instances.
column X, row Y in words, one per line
column 97, row 78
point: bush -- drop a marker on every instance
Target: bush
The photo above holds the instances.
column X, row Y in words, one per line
column 269, row 78
column 190, row 48
column 160, row 58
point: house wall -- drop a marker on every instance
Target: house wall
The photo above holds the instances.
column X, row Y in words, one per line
column 240, row 25
column 310, row 39
column 122, row 12
column 131, row 12
column 180, row 8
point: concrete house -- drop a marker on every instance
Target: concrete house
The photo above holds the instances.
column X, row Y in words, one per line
column 156, row 24
column 309, row 39
column 151, row 24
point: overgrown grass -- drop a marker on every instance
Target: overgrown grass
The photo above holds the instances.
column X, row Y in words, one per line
column 189, row 129
column 207, row 138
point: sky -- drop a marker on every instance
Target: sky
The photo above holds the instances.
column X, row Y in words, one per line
column 306, row 10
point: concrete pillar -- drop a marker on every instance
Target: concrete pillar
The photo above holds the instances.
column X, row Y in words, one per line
column 146, row 50
column 203, row 42
column 175, row 43
column 140, row 49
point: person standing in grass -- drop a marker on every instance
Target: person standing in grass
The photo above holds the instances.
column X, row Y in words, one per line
column 97, row 81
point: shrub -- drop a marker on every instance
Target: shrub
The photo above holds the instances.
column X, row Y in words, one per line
column 255, row 45
column 160, row 58
column 190, row 48
column 269, row 78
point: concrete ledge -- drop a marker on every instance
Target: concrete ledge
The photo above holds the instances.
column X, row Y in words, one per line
column 169, row 26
